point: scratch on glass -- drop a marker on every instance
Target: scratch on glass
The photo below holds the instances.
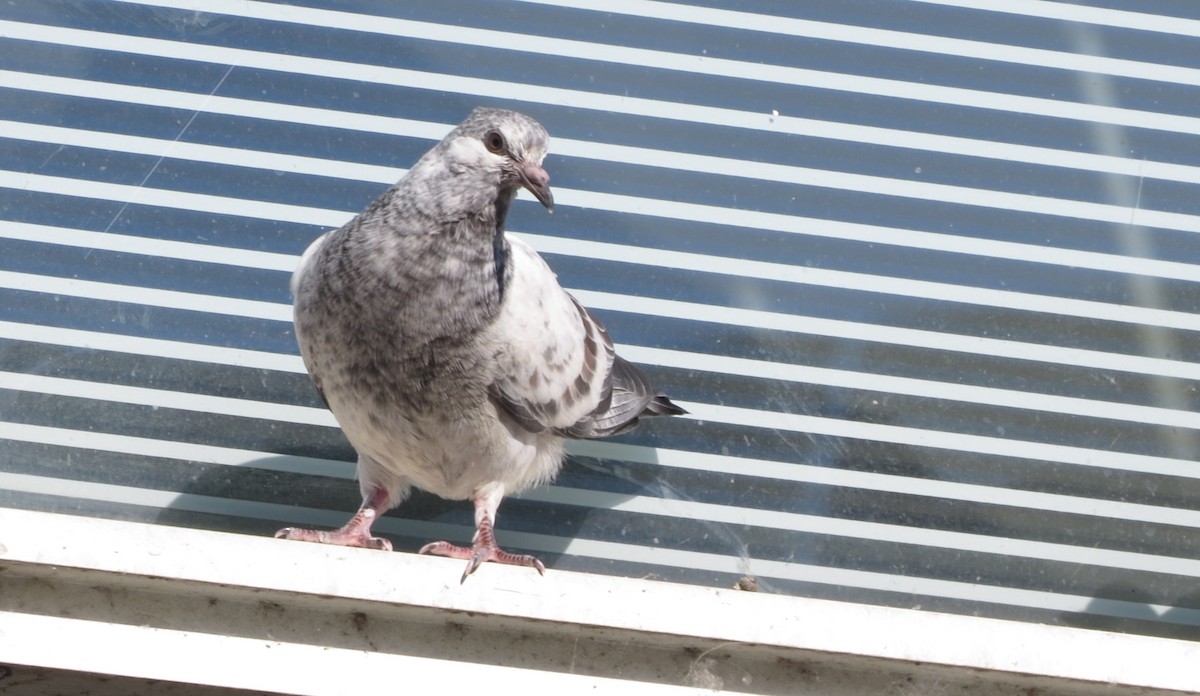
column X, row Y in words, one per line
column 171, row 146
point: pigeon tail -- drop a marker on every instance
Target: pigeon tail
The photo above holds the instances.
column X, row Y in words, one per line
column 632, row 397
column 661, row 405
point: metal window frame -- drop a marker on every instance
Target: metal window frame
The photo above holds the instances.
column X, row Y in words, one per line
column 146, row 601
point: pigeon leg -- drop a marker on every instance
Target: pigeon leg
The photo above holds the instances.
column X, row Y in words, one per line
column 356, row 532
column 484, row 548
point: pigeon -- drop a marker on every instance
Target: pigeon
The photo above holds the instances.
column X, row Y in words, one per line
column 446, row 349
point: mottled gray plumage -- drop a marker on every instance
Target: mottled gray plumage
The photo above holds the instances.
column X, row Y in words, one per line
column 446, row 349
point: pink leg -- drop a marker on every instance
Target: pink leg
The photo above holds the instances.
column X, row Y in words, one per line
column 356, row 532
column 484, row 548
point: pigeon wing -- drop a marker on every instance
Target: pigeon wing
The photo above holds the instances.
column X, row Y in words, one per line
column 554, row 358
column 305, row 270
column 558, row 370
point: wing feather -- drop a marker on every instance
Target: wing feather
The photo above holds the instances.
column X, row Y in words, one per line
column 558, row 369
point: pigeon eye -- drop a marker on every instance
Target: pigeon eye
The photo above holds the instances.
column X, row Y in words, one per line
column 494, row 142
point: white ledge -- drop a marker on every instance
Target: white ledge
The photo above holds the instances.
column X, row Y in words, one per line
column 232, row 611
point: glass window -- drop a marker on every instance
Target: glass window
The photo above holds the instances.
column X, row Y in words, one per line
column 924, row 275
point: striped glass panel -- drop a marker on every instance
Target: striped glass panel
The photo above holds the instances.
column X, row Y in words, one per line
column 924, row 272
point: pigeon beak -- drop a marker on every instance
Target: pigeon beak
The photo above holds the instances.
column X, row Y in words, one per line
column 537, row 181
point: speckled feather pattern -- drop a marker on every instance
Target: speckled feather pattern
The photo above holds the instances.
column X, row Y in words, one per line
column 447, row 351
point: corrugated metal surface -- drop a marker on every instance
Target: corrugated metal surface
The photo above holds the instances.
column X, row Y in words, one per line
column 925, row 272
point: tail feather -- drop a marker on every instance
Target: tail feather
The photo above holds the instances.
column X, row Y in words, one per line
column 632, row 397
column 661, row 405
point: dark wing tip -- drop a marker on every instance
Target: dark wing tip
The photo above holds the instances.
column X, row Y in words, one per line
column 632, row 397
column 661, row 405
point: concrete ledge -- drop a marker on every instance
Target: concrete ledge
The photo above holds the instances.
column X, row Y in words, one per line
column 237, row 612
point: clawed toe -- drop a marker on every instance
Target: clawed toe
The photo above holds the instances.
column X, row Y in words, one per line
column 444, row 548
column 338, row 537
column 356, row 532
column 479, row 554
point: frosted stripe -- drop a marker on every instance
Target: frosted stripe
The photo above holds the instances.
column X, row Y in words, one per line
column 871, row 332
column 698, row 461
column 703, row 462
column 926, row 43
column 627, row 553
column 982, row 444
column 704, row 64
column 869, row 480
column 162, row 398
column 704, row 512
column 154, row 347
column 719, row 166
column 545, row 244
column 858, row 529
column 568, row 197
column 776, row 271
column 148, row 246
column 170, row 299
column 811, row 276
column 654, row 307
column 794, row 224
column 884, row 137
column 910, row 337
column 1073, row 12
column 591, row 100
column 197, row 152
column 183, row 200
column 182, row 451
column 868, row 381
column 711, row 412
column 639, row 354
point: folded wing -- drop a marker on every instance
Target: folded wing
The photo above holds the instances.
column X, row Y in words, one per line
column 558, row 370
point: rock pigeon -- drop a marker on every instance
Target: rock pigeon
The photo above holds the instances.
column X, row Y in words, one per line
column 447, row 350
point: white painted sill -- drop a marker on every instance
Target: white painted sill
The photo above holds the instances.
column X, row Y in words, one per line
column 231, row 611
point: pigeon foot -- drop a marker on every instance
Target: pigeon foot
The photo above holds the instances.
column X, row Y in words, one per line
column 356, row 532
column 484, row 549
column 479, row 554
column 345, row 536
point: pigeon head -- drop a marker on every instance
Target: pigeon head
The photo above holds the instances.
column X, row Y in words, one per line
column 504, row 146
